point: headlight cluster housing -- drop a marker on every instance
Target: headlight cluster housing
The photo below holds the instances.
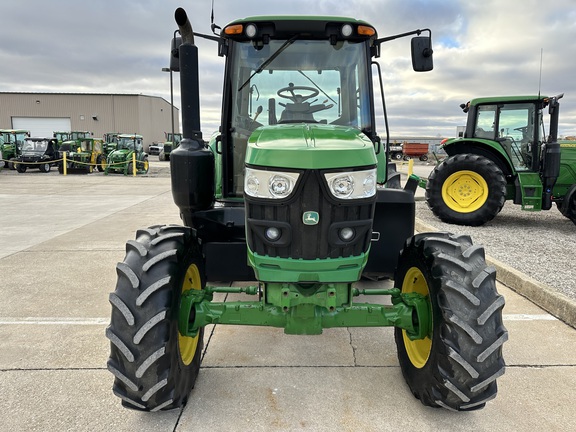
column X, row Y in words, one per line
column 352, row 184
column 269, row 184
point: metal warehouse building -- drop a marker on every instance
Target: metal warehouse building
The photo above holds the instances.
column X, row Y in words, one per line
column 44, row 113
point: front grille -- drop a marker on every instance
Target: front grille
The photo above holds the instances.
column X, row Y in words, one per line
column 300, row 241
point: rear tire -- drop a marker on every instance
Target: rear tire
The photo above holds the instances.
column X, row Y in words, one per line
column 155, row 368
column 466, row 189
column 456, row 367
column 44, row 167
column 101, row 163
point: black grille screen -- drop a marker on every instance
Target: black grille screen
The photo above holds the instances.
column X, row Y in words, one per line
column 308, row 241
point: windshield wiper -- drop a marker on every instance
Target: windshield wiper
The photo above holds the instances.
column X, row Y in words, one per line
column 269, row 60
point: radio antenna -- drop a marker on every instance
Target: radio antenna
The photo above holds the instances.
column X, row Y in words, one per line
column 540, row 77
column 212, row 25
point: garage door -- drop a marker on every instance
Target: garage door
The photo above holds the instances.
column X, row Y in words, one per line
column 41, row 126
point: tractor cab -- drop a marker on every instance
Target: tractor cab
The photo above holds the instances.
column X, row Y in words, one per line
column 287, row 83
column 517, row 125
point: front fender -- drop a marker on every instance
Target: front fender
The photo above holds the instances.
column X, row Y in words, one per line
column 482, row 147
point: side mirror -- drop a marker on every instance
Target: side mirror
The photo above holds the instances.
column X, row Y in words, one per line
column 174, row 54
column 422, row 54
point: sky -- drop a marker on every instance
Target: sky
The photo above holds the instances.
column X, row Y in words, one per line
column 481, row 48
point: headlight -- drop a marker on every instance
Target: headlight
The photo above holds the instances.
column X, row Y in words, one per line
column 269, row 184
column 353, row 184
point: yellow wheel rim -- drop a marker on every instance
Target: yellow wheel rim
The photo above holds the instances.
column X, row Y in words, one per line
column 465, row 191
column 418, row 350
column 187, row 345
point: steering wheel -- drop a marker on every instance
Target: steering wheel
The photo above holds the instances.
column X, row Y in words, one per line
column 294, row 97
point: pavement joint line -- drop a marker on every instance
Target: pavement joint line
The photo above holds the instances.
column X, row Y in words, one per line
column 529, row 317
column 53, row 321
column 542, row 295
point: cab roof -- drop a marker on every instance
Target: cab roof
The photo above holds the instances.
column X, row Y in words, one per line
column 305, row 26
column 504, row 99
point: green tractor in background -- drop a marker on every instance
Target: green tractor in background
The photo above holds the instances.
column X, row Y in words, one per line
column 296, row 197
column 110, row 142
column 82, row 157
column 172, row 142
column 505, row 154
column 11, row 141
column 129, row 149
column 62, row 137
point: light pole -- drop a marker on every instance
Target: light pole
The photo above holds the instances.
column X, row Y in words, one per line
column 171, row 100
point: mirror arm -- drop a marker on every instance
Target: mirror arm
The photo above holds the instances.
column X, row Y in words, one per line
column 401, row 35
column 209, row 37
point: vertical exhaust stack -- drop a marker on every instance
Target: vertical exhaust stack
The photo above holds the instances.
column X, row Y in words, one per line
column 551, row 165
column 191, row 164
column 189, row 83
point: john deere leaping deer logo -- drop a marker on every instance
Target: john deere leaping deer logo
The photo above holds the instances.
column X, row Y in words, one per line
column 310, row 218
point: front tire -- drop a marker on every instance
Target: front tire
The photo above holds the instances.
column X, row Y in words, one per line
column 456, row 367
column 145, row 166
column 571, row 208
column 466, row 189
column 45, row 167
column 155, row 367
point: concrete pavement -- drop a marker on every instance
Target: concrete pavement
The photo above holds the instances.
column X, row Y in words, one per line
column 62, row 237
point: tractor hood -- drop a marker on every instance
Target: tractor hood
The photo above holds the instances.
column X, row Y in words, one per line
column 120, row 154
column 309, row 146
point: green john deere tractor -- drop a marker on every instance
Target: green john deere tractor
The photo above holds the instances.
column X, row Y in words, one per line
column 505, row 154
column 172, row 142
column 82, row 157
column 11, row 141
column 129, row 150
column 296, row 199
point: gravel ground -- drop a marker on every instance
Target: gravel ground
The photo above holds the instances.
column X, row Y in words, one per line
column 538, row 244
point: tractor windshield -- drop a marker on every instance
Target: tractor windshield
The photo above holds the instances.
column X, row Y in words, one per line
column 14, row 137
column 308, row 81
column 34, row 146
column 129, row 143
column 296, row 81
